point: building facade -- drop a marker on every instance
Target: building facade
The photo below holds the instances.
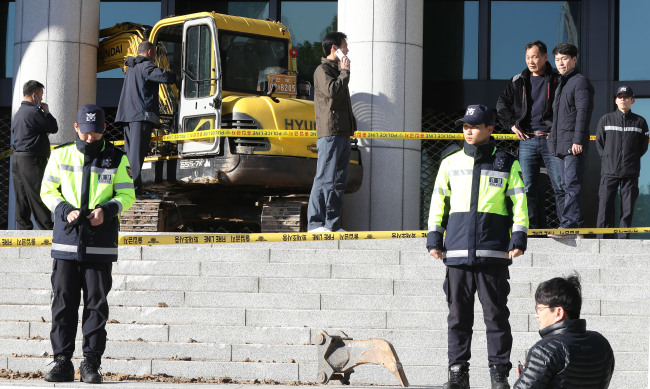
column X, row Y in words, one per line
column 416, row 65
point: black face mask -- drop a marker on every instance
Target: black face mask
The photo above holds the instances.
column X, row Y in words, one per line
column 90, row 149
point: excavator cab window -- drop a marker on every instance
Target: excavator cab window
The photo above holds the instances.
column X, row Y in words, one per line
column 199, row 63
column 247, row 60
column 169, row 50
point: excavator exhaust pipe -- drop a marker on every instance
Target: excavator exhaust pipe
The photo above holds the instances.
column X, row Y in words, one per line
column 338, row 355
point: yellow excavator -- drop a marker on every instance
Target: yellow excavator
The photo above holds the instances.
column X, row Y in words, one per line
column 232, row 73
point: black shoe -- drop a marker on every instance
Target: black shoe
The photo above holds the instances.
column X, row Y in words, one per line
column 499, row 376
column 458, row 378
column 63, row 371
column 90, row 371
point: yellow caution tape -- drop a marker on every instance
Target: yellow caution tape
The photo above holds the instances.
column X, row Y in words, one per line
column 164, row 239
column 196, row 135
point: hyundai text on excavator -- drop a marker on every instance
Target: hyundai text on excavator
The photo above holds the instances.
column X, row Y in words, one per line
column 232, row 73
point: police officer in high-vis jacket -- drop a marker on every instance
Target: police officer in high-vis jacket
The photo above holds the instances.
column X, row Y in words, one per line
column 479, row 200
column 87, row 184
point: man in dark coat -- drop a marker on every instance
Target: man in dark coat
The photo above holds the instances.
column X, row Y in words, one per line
column 569, row 137
column 622, row 139
column 139, row 108
column 567, row 356
column 31, row 126
column 526, row 108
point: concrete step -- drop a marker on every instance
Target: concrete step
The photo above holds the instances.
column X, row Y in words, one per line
column 226, row 307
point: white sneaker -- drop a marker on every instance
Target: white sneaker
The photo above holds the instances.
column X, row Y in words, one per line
column 341, row 230
column 320, row 229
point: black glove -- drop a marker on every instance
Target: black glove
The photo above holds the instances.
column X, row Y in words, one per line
column 76, row 223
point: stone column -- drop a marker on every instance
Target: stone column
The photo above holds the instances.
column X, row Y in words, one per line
column 385, row 42
column 55, row 43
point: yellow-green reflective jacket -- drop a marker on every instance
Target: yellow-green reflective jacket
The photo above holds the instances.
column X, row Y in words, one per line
column 73, row 180
column 479, row 199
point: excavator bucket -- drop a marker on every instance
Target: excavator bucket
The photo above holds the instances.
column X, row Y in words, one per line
column 338, row 355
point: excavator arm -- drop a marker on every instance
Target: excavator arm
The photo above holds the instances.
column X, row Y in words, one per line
column 121, row 41
column 118, row 42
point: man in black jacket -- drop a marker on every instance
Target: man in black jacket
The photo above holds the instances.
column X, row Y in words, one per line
column 621, row 139
column 567, row 356
column 31, row 126
column 569, row 137
column 139, row 108
column 526, row 108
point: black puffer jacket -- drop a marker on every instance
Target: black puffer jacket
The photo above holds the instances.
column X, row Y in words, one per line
column 622, row 139
column 572, row 108
column 568, row 356
column 513, row 103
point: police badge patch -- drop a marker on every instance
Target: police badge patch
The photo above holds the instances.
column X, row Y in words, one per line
column 496, row 181
column 129, row 172
column 105, row 179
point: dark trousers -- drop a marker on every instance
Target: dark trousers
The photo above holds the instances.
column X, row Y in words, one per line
column 493, row 288
column 607, row 197
column 572, row 169
column 27, row 176
column 69, row 278
column 533, row 153
column 326, row 198
column 137, row 140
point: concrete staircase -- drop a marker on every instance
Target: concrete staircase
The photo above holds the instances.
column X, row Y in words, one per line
column 252, row 311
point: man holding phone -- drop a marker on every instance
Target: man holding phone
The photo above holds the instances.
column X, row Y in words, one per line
column 31, row 126
column 335, row 124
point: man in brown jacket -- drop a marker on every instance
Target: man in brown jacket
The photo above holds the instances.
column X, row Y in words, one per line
column 335, row 124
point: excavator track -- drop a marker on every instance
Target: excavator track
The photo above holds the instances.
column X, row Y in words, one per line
column 147, row 215
column 283, row 215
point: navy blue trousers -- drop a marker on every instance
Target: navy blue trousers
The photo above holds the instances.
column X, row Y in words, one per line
column 137, row 141
column 572, row 169
column 69, row 278
column 326, row 198
column 491, row 282
column 27, row 174
column 533, row 152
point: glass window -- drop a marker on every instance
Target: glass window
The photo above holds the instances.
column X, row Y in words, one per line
column 9, row 44
column 632, row 35
column 308, row 23
column 456, row 56
column 247, row 60
column 641, row 216
column 199, row 62
column 169, row 52
column 247, row 9
column 113, row 12
column 515, row 23
column 200, row 123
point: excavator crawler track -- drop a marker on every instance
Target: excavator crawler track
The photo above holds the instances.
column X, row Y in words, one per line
column 149, row 215
column 282, row 215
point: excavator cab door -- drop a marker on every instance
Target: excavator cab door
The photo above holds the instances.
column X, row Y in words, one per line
column 200, row 105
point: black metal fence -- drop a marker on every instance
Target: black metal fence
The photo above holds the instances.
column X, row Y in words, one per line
column 5, row 166
column 432, row 121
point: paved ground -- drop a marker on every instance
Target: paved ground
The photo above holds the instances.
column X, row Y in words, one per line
column 152, row 385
